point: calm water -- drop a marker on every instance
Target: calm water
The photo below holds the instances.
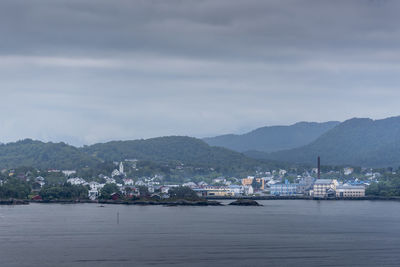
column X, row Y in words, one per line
column 282, row 233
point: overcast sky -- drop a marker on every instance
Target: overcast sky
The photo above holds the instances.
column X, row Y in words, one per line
column 86, row 71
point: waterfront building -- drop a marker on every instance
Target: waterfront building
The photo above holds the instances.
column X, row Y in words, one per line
column 217, row 191
column 249, row 181
column 237, row 190
column 305, row 185
column 350, row 191
column 284, row 189
column 324, row 187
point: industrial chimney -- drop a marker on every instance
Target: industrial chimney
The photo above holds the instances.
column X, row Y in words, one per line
column 319, row 167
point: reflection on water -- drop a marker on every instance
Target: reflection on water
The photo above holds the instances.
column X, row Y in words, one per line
column 282, row 232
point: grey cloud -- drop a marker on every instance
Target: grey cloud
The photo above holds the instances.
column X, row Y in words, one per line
column 88, row 71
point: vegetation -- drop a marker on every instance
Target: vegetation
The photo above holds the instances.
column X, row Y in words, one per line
column 182, row 192
column 14, row 188
column 65, row 191
column 360, row 142
column 388, row 186
column 43, row 155
column 107, row 191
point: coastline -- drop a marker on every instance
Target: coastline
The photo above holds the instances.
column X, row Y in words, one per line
column 208, row 201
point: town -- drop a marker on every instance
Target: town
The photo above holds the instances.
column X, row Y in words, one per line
column 344, row 183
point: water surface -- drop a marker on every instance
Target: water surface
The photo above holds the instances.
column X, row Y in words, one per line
column 281, row 233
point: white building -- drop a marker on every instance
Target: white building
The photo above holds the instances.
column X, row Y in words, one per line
column 190, row 184
column 110, row 180
column 76, row 181
column 68, row 172
column 93, row 194
column 323, row 187
column 348, row 171
column 128, row 181
column 248, row 190
column 115, row 173
column 121, row 168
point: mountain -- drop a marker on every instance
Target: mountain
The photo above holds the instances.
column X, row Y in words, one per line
column 359, row 141
column 187, row 150
column 273, row 138
column 43, row 155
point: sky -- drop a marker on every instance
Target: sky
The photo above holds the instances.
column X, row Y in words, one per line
column 87, row 71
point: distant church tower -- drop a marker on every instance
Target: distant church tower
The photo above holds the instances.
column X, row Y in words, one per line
column 121, row 168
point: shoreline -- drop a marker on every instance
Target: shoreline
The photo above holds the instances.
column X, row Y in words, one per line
column 371, row 198
column 208, row 201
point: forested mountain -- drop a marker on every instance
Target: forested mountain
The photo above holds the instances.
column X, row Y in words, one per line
column 43, row 155
column 362, row 142
column 186, row 150
column 273, row 138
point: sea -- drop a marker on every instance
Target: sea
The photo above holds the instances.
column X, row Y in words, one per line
column 280, row 233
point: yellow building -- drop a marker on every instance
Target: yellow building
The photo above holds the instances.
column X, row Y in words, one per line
column 218, row 191
column 350, row 191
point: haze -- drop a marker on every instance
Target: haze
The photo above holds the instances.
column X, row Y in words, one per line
column 90, row 71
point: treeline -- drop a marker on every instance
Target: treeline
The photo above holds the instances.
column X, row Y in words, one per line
column 388, row 186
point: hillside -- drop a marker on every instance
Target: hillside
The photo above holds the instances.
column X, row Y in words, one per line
column 186, row 150
column 43, row 155
column 362, row 142
column 273, row 138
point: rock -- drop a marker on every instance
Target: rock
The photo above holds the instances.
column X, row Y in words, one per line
column 245, row 202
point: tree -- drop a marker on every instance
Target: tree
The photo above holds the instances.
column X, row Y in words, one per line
column 108, row 190
column 143, row 191
column 14, row 188
column 183, row 192
column 65, row 191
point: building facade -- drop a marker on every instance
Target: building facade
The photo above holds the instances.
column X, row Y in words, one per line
column 350, row 191
column 285, row 189
column 324, row 187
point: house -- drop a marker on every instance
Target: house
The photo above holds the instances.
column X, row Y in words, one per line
column 68, row 172
column 115, row 196
column 237, row 190
column 93, row 194
column 322, row 186
column 190, row 184
column 248, row 190
column 348, row 171
column 128, row 181
column 37, row 197
column 76, row 181
column 115, row 173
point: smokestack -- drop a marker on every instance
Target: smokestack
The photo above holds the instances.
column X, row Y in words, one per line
column 319, row 167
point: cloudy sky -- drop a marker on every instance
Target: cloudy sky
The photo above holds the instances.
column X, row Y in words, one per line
column 86, row 71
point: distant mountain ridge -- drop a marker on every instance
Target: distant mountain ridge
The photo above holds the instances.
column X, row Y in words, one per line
column 358, row 141
column 273, row 138
column 38, row 154
column 186, row 150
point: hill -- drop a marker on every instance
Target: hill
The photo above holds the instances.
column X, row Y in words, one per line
column 187, row 150
column 43, row 155
column 273, row 138
column 358, row 141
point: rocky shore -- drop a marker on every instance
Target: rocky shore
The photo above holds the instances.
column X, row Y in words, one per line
column 13, row 202
column 245, row 202
column 178, row 202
